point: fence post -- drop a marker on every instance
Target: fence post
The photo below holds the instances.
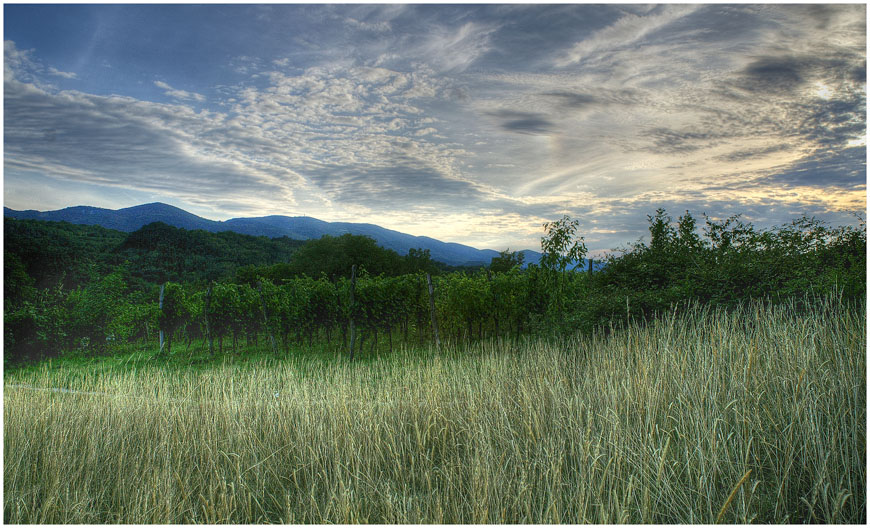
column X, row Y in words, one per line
column 432, row 310
column 352, row 287
column 207, row 324
column 494, row 300
column 160, row 315
column 266, row 319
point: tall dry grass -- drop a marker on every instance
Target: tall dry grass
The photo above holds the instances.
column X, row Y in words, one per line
column 755, row 415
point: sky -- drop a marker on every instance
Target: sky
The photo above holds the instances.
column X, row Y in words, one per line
column 470, row 124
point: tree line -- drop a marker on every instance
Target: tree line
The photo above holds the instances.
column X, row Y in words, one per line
column 313, row 297
column 45, row 254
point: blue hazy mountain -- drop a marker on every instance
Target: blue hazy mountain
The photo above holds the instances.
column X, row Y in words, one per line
column 127, row 219
column 297, row 227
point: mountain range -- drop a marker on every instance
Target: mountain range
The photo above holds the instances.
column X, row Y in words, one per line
column 297, row 227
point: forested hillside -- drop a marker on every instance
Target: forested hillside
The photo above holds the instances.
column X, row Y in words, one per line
column 275, row 226
column 72, row 255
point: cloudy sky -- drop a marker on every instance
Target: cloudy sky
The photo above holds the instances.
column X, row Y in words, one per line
column 471, row 124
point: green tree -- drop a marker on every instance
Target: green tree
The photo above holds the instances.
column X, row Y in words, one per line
column 224, row 312
column 561, row 247
column 174, row 313
column 419, row 260
column 36, row 327
column 334, row 256
column 506, row 260
column 92, row 309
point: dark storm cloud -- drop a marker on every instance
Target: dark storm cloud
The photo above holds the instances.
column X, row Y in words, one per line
column 523, row 122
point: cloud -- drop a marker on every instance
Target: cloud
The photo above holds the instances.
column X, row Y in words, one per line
column 401, row 184
column 418, row 38
column 575, row 100
column 454, row 50
column 376, row 19
column 323, row 137
column 745, row 154
column 124, row 143
column 375, row 27
column 17, row 62
column 179, row 94
column 486, row 119
column 23, row 65
column 626, row 32
column 724, row 119
column 772, row 74
column 247, row 65
column 667, row 141
column 845, row 169
column 523, row 122
column 65, row 75
column 785, row 73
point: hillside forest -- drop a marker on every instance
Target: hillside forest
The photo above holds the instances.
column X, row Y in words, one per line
column 89, row 290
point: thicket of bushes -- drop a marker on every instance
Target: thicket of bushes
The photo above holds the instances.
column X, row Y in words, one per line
column 727, row 262
column 721, row 264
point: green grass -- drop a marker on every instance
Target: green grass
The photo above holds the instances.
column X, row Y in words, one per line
column 757, row 415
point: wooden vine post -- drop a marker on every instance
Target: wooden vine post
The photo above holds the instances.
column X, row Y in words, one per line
column 432, row 310
column 207, row 323
column 266, row 319
column 160, row 305
column 350, row 323
column 494, row 300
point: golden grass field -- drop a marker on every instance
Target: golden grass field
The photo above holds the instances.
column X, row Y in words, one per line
column 757, row 415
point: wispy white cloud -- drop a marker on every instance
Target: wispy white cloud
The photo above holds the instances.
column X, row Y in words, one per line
column 330, row 140
column 625, row 33
column 454, row 50
column 663, row 111
column 24, row 65
column 246, row 65
column 179, row 94
column 65, row 75
column 376, row 27
column 476, row 126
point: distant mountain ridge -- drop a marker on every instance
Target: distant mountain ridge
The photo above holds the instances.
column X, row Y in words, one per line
column 299, row 227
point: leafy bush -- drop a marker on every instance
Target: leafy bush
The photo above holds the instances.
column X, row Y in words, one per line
column 730, row 262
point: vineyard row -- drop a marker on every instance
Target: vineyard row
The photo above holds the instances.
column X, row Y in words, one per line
column 460, row 307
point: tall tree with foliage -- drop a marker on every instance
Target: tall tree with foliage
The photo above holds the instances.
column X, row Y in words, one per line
column 174, row 312
column 506, row 261
column 561, row 247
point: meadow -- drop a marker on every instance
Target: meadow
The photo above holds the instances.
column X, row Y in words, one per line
column 705, row 415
